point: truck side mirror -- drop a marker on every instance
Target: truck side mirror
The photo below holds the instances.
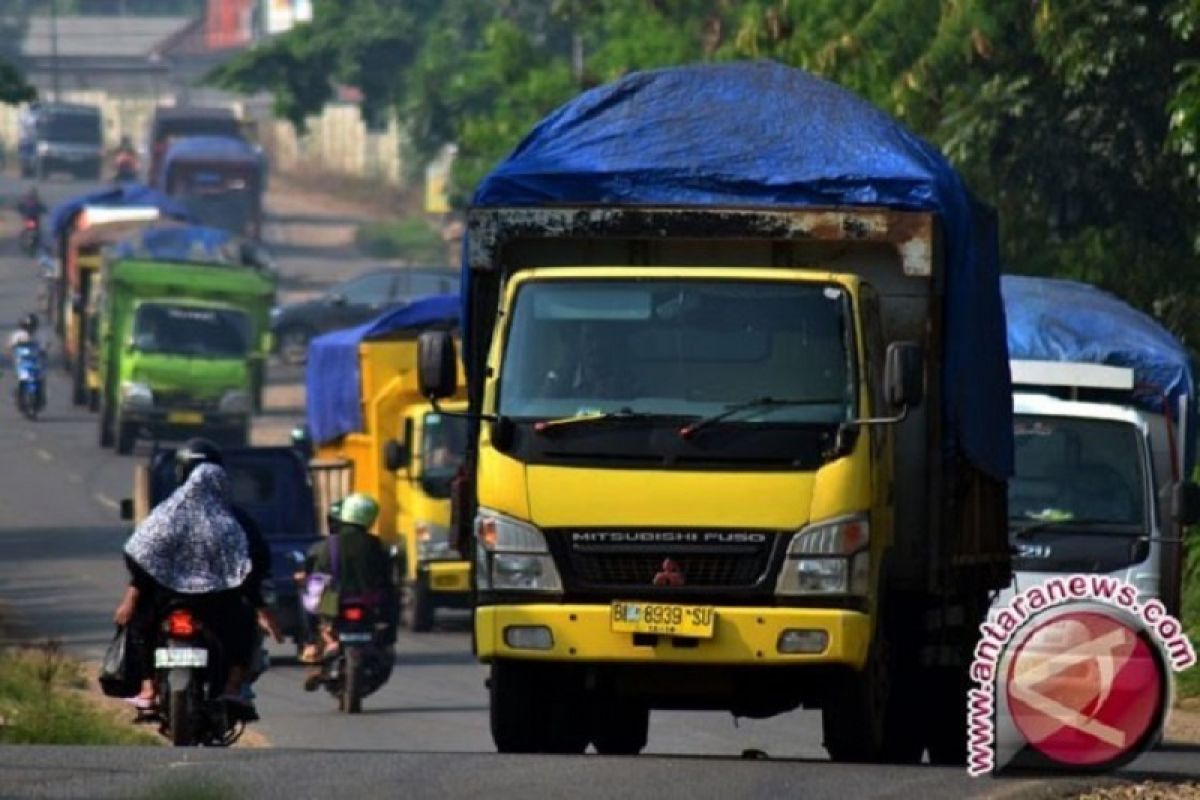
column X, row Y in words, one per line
column 904, row 375
column 1185, row 503
column 437, row 365
column 302, row 442
column 127, row 508
column 395, row 456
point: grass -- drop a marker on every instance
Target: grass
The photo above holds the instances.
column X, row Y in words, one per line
column 42, row 701
column 411, row 239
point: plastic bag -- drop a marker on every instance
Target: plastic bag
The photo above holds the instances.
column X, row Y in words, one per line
column 314, row 589
column 117, row 674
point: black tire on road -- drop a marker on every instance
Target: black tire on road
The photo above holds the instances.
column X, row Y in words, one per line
column 293, row 344
column 181, row 719
column 107, row 434
column 126, row 437
column 419, row 605
column 873, row 716
column 352, row 681
column 620, row 727
column 519, row 708
column 946, row 723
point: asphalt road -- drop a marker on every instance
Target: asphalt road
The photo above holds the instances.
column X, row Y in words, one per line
column 61, row 576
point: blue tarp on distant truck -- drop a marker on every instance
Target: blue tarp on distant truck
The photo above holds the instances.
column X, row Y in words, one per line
column 125, row 195
column 332, row 377
column 1059, row 320
column 761, row 134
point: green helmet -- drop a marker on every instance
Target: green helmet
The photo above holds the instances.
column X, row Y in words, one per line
column 358, row 509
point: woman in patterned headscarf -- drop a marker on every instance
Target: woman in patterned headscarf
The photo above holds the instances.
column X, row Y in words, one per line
column 193, row 546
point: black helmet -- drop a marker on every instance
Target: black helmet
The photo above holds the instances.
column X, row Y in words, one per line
column 29, row 323
column 192, row 454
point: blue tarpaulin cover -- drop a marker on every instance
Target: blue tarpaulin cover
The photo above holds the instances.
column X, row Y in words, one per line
column 181, row 243
column 332, row 377
column 208, row 148
column 761, row 134
column 1058, row 320
column 125, row 195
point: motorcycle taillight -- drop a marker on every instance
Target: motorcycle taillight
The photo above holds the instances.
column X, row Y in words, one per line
column 182, row 623
column 352, row 613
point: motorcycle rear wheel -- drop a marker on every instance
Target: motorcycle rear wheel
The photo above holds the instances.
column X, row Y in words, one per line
column 181, row 719
column 352, row 682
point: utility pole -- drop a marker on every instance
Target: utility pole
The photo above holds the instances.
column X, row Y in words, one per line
column 54, row 46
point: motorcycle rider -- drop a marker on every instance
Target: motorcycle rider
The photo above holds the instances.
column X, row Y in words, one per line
column 363, row 570
column 30, row 205
column 26, row 336
column 197, row 545
column 125, row 160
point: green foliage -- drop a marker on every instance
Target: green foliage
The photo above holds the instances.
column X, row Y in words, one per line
column 411, row 239
column 40, row 703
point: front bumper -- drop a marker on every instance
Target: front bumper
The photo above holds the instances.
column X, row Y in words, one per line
column 742, row 636
column 163, row 421
column 447, row 577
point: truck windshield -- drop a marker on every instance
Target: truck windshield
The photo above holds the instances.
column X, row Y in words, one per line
column 679, row 348
column 190, row 331
column 444, row 439
column 1068, row 468
column 71, row 128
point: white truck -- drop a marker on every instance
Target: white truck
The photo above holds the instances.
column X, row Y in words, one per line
column 1102, row 470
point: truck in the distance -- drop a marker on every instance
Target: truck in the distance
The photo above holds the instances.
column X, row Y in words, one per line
column 1105, row 409
column 741, row 416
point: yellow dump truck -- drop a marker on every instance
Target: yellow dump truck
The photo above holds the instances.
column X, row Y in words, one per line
column 741, row 418
column 364, row 408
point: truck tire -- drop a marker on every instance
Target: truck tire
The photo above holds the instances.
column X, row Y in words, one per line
column 107, row 436
column 126, row 438
column 418, row 605
column 873, row 716
column 519, row 708
column 535, row 709
column 620, row 728
column 946, row 723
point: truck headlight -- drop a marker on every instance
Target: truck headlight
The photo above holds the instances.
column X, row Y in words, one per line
column 831, row 557
column 235, row 401
column 433, row 542
column 135, row 394
column 512, row 555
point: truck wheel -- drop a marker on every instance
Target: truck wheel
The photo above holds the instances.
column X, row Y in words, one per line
column 620, row 728
column 107, row 438
column 126, row 438
column 946, row 721
column 418, row 605
column 871, row 716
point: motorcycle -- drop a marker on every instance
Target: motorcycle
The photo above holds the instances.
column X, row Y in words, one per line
column 125, row 167
column 31, row 235
column 31, row 388
column 189, row 676
column 362, row 660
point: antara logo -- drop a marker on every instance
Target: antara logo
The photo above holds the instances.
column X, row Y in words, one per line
column 669, row 575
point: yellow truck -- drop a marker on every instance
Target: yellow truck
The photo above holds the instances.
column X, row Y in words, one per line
column 740, row 418
column 364, row 407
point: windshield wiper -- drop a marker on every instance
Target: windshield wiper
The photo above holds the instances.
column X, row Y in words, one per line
column 1042, row 524
column 622, row 414
column 687, row 431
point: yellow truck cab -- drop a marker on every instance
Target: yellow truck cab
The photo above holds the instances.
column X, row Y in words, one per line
column 426, row 458
column 740, row 418
column 364, row 407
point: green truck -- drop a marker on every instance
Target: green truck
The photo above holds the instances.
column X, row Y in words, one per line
column 178, row 344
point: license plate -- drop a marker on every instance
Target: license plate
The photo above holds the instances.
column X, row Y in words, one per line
column 354, row 638
column 166, row 657
column 185, row 418
column 693, row 622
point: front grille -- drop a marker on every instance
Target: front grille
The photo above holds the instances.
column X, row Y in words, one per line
column 679, row 563
column 177, row 400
